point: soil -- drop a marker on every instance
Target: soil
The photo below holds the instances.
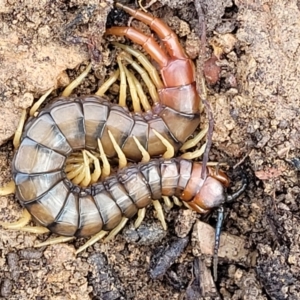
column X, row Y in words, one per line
column 254, row 95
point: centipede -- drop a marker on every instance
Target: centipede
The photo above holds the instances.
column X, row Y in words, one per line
column 55, row 185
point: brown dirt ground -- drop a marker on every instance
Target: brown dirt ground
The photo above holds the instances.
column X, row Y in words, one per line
column 255, row 102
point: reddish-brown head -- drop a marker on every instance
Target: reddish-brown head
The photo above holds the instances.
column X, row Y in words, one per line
column 208, row 193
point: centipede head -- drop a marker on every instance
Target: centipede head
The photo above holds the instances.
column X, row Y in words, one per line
column 212, row 193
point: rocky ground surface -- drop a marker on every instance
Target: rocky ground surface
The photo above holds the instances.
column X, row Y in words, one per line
column 254, row 48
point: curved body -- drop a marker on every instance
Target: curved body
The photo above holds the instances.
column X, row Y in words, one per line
column 74, row 124
column 66, row 209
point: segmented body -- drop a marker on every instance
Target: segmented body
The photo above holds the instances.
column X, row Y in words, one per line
column 66, row 209
column 74, row 124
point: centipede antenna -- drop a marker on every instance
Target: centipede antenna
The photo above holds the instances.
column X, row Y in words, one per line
column 123, row 84
column 240, row 191
column 108, row 83
column 140, row 218
column 217, row 241
column 68, row 90
column 9, row 188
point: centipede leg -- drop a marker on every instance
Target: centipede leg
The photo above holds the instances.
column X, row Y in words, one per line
column 160, row 214
column 37, row 104
column 140, row 218
column 97, row 170
column 108, row 83
column 105, row 162
column 176, row 201
column 194, row 154
column 92, row 241
column 123, row 85
column 8, row 189
column 19, row 131
column 170, row 149
column 195, row 140
column 116, row 230
column 21, row 224
column 68, row 90
column 23, row 221
column 120, row 153
column 167, row 201
column 145, row 63
column 145, row 153
column 54, row 241
column 133, row 91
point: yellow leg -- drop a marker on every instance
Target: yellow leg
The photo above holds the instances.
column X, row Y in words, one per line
column 92, row 241
column 195, row 154
column 71, row 167
column 120, row 153
column 160, row 214
column 143, row 98
column 37, row 104
column 170, row 149
column 69, row 89
column 20, row 225
column 195, row 140
column 151, row 87
column 80, row 176
column 144, row 62
column 58, row 240
column 10, row 188
column 167, row 201
column 108, row 83
column 140, row 218
column 19, row 131
column 176, row 201
column 145, row 154
column 123, row 85
column 87, row 172
column 133, row 91
column 24, row 220
column 97, row 170
column 73, row 174
column 105, row 162
column 35, row 229
column 116, row 230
